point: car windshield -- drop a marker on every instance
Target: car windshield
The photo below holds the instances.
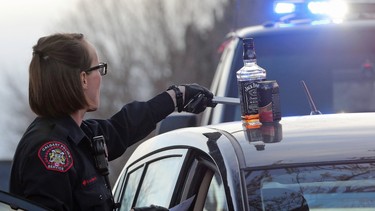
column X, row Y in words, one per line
column 320, row 187
column 336, row 63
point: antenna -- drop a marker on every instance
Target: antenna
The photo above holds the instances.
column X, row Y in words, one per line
column 314, row 111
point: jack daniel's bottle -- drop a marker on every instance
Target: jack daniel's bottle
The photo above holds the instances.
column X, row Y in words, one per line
column 247, row 78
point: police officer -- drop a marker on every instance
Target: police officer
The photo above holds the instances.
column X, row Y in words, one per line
column 61, row 160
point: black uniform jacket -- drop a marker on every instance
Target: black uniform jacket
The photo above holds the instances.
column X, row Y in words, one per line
column 54, row 166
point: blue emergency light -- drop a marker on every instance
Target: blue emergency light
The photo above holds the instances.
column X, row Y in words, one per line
column 315, row 9
column 284, row 8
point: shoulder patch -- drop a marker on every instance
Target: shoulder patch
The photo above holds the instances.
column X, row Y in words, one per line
column 55, row 156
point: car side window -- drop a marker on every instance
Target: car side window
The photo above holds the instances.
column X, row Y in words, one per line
column 156, row 178
column 159, row 182
column 131, row 188
column 216, row 199
column 151, row 180
column 205, row 183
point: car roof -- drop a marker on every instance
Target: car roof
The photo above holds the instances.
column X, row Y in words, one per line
column 310, row 139
column 331, row 138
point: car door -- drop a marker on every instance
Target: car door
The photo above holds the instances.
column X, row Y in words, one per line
column 11, row 202
column 172, row 178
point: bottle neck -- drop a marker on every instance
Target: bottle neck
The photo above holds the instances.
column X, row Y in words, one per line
column 248, row 61
column 249, row 54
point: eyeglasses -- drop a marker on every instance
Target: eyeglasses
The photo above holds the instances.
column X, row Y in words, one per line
column 102, row 68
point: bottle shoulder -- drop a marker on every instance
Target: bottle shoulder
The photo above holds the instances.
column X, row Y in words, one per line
column 253, row 68
column 251, row 72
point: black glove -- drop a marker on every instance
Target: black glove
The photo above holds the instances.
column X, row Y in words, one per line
column 150, row 208
column 197, row 98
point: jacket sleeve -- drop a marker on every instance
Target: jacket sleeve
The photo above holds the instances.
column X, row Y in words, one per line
column 51, row 189
column 132, row 123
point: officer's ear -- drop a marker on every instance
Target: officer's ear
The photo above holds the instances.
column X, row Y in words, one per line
column 83, row 77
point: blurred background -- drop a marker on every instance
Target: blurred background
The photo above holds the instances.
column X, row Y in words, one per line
column 148, row 45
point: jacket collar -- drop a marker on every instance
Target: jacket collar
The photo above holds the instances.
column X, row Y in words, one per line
column 66, row 127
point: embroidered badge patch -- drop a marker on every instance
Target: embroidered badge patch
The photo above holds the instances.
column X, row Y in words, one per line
column 56, row 156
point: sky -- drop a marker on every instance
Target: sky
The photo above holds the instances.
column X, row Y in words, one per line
column 22, row 22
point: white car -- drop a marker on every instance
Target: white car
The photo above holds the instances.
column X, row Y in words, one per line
column 314, row 162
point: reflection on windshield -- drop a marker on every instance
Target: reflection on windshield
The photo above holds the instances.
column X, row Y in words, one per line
column 349, row 187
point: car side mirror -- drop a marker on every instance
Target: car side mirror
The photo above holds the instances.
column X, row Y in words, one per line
column 176, row 121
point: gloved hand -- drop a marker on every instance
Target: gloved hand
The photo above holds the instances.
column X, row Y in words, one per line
column 150, row 208
column 197, row 98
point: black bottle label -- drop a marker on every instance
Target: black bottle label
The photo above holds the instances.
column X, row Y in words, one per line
column 248, row 97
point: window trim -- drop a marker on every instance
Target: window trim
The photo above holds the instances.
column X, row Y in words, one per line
column 195, row 175
column 201, row 171
column 143, row 162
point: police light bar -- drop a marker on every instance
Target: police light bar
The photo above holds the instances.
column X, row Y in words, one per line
column 333, row 9
column 284, row 8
